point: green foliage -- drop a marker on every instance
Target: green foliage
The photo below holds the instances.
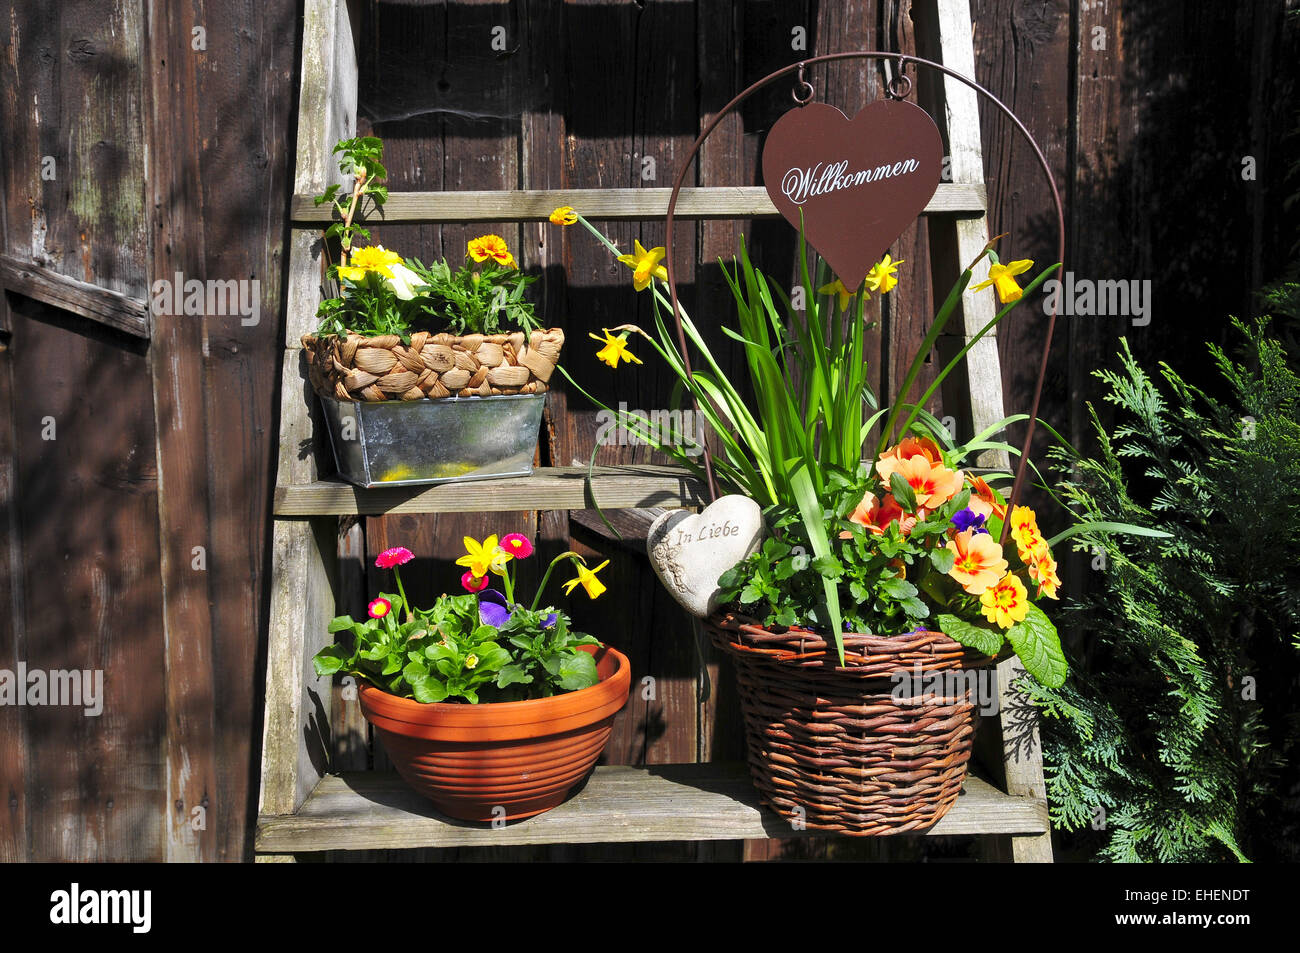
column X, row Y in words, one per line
column 1179, row 738
column 362, row 158
column 447, row 653
column 483, row 300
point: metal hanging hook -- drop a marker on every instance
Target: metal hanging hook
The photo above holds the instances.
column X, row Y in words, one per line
column 898, row 85
column 802, row 86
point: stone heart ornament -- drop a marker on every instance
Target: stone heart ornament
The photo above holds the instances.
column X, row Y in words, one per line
column 857, row 182
column 689, row 551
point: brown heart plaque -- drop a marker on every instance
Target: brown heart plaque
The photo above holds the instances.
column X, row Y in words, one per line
column 858, row 182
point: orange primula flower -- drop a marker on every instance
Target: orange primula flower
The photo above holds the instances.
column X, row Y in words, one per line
column 933, row 483
column 1043, row 572
column 893, row 458
column 876, row 515
column 1006, row 603
column 978, row 563
column 983, row 501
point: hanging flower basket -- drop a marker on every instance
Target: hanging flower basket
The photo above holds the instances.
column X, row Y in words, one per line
column 842, row 748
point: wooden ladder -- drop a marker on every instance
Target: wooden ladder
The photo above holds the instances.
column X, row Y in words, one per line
column 304, row 809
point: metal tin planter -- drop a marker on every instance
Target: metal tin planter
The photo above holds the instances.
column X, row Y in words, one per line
column 408, row 442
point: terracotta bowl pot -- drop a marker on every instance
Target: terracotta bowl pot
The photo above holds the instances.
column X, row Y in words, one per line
column 522, row 757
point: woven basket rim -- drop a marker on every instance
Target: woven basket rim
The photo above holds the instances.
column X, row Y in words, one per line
column 807, row 647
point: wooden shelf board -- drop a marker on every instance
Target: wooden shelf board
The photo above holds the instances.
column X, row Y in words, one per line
column 718, row 202
column 692, row 802
column 549, row 488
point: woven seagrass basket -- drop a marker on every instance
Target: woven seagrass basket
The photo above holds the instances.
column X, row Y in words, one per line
column 357, row 368
column 842, row 748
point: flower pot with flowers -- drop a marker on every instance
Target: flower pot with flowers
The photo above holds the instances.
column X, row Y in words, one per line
column 882, row 574
column 427, row 373
column 492, row 709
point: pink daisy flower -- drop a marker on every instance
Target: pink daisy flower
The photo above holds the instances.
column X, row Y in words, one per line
column 517, row 545
column 474, row 583
column 380, row 608
column 397, row 556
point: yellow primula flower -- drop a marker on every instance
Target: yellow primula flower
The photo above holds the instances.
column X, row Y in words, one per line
column 1006, row 603
column 482, row 558
column 491, row 246
column 881, row 276
column 471, row 660
column 1000, row 277
column 836, row 287
column 614, row 349
column 564, row 215
column 587, row 579
column 645, row 265
column 372, row 258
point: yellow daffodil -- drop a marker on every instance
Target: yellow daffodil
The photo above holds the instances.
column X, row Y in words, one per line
column 881, row 276
column 373, row 258
column 491, row 246
column 564, row 215
column 614, row 349
column 1000, row 277
column 482, row 558
column 587, row 579
column 1006, row 603
column 645, row 265
column 836, row 287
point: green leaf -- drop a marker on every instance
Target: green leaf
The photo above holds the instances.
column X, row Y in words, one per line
column 428, row 690
column 578, row 670
column 340, row 622
column 1036, row 642
column 902, row 491
column 897, row 588
column 942, row 560
column 977, row 637
column 1104, row 526
column 329, row 660
column 513, row 675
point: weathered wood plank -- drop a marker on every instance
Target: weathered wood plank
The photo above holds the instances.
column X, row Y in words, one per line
column 618, row 804
column 559, row 488
column 86, row 500
column 611, row 204
column 943, row 33
column 15, row 844
column 295, row 732
column 110, row 308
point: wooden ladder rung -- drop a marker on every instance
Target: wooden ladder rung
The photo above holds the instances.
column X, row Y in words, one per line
column 548, row 488
column 957, row 200
column 618, row 804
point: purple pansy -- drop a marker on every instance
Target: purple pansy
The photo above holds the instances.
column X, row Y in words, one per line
column 968, row 519
column 494, row 611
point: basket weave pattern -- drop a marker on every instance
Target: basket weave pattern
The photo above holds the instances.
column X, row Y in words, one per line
column 831, row 747
column 357, row 368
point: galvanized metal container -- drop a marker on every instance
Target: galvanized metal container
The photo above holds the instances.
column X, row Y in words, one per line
column 407, row 442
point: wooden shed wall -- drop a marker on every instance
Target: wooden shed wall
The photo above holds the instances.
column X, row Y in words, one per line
column 172, row 158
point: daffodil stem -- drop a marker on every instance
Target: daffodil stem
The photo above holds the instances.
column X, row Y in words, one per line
column 546, row 576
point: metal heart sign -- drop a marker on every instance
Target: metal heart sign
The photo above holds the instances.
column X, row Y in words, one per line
column 857, row 182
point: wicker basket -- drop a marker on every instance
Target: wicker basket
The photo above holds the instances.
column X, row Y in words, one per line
column 357, row 368
column 832, row 748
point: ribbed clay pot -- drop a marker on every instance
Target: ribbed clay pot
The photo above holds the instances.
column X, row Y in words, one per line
column 523, row 757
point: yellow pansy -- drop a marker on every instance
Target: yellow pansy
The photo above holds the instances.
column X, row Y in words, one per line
column 587, row 579
column 1000, row 277
column 614, row 349
column 881, row 276
column 645, row 265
